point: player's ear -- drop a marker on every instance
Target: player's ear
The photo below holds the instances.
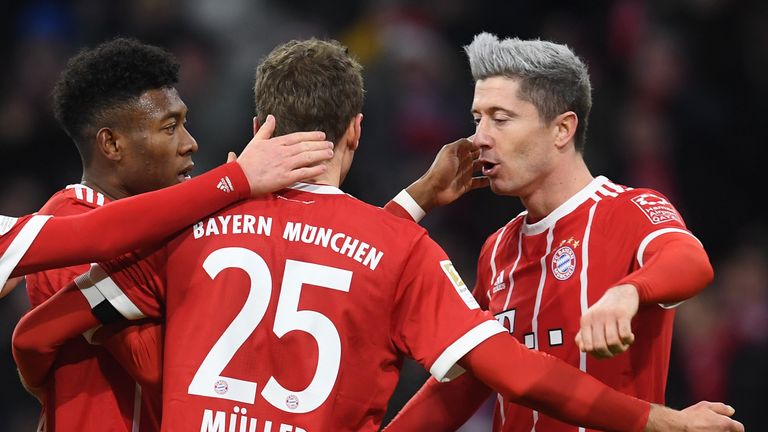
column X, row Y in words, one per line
column 108, row 144
column 564, row 128
column 356, row 129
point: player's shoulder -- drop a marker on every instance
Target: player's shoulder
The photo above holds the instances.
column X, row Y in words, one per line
column 383, row 219
column 74, row 197
column 613, row 193
column 639, row 201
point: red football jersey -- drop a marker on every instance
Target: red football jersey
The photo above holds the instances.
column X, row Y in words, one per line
column 88, row 390
column 16, row 236
column 538, row 279
column 293, row 312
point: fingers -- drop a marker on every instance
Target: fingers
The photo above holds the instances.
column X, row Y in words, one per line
column 299, row 147
column 309, row 158
column 231, row 157
column 267, row 129
column 625, row 332
column 719, row 408
column 599, row 344
column 305, row 173
column 586, row 338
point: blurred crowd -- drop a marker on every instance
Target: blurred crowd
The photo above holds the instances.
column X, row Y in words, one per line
column 678, row 106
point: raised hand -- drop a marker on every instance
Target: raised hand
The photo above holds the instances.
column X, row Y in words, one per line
column 449, row 177
column 271, row 164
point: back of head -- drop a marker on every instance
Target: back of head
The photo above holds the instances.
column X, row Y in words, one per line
column 551, row 76
column 99, row 83
column 309, row 85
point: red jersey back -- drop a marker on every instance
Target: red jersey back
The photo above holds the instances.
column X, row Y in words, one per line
column 538, row 279
column 292, row 313
column 16, row 236
column 88, row 390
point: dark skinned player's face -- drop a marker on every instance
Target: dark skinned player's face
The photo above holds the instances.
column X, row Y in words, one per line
column 157, row 146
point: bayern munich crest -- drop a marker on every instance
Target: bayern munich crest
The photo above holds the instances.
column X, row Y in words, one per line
column 221, row 387
column 563, row 262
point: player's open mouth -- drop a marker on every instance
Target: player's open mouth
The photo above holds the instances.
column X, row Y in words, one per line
column 184, row 174
column 489, row 168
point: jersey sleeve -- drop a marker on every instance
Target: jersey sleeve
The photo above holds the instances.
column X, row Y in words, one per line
column 16, row 237
column 131, row 223
column 670, row 264
column 435, row 318
column 130, row 287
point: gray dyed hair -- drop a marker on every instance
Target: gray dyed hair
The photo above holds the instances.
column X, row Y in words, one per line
column 551, row 76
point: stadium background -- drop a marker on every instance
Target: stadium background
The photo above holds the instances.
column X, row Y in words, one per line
column 679, row 91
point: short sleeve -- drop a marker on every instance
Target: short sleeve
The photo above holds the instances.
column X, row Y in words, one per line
column 436, row 320
column 133, row 284
column 16, row 236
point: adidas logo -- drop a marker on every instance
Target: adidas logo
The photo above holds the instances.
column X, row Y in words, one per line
column 225, row 185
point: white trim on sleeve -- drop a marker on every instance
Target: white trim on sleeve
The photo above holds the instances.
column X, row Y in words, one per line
column 647, row 240
column 406, row 201
column 445, row 367
column 19, row 246
column 114, row 295
column 644, row 244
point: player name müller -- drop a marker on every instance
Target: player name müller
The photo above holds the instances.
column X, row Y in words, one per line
column 338, row 242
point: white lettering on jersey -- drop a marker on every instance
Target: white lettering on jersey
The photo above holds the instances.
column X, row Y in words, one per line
column 459, row 284
column 656, row 208
column 233, row 224
column 6, row 223
column 340, row 243
column 216, row 421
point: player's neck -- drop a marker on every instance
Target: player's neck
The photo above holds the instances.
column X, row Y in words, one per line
column 331, row 177
column 105, row 184
column 555, row 189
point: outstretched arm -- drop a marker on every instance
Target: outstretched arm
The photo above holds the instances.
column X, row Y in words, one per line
column 536, row 381
column 265, row 165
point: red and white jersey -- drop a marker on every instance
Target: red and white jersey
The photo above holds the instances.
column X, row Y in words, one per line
column 16, row 236
column 293, row 312
column 88, row 390
column 538, row 279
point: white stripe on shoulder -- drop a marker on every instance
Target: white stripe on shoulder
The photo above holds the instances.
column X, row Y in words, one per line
column 20, row 244
column 647, row 240
column 85, row 193
column 109, row 289
column 445, row 367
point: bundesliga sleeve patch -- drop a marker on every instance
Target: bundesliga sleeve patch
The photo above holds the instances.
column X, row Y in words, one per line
column 459, row 284
column 6, row 223
column 657, row 209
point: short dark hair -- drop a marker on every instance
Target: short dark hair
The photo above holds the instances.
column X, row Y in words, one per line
column 98, row 81
column 309, row 85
